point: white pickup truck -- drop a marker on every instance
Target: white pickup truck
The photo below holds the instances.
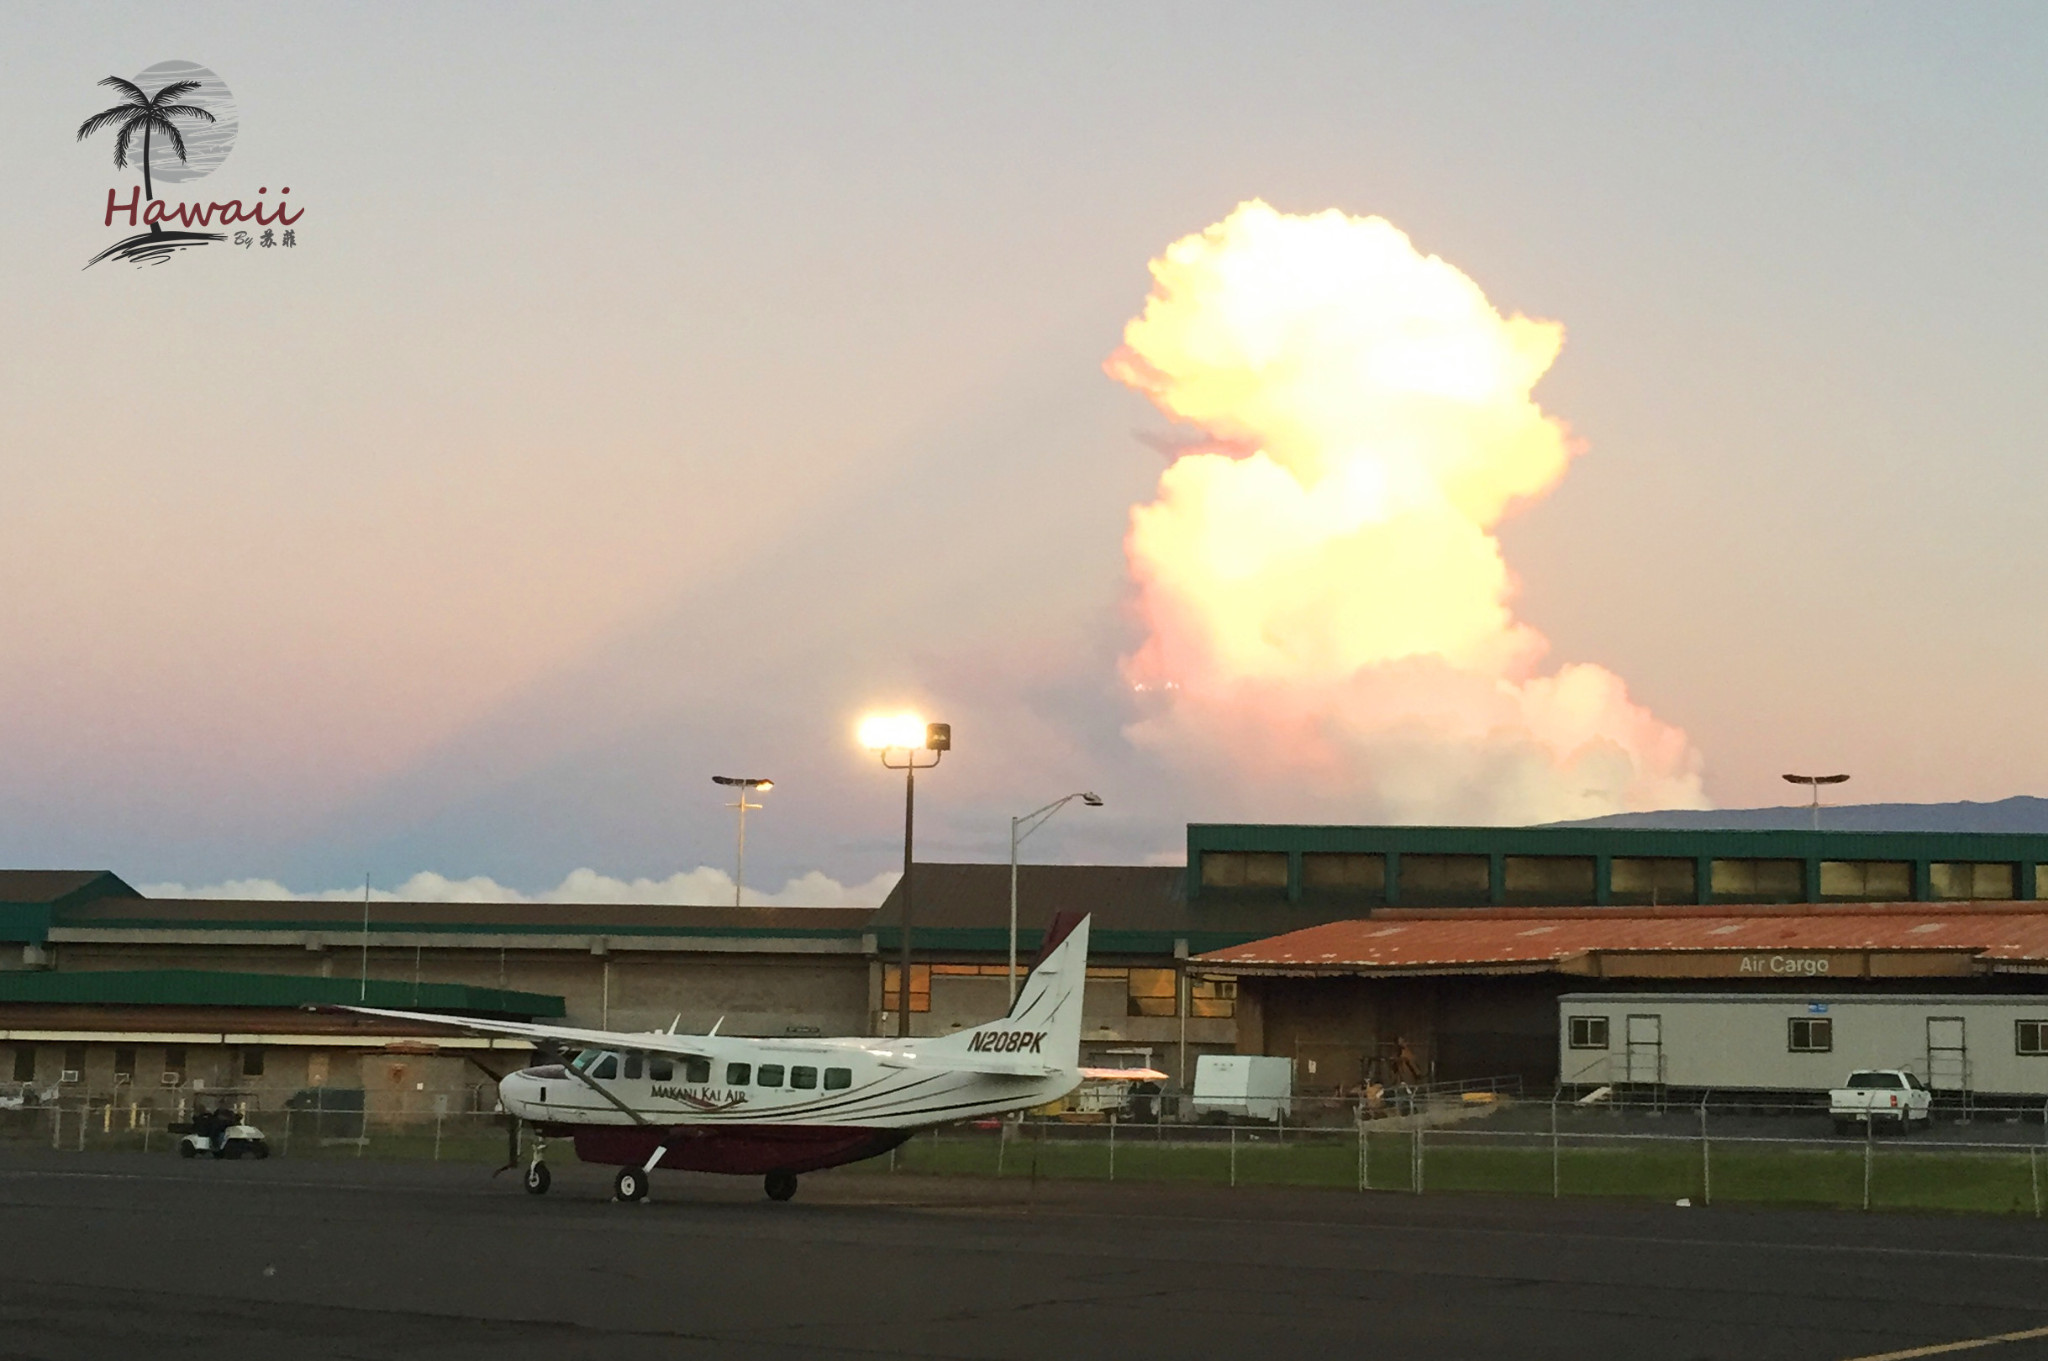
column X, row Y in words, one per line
column 1876, row 1097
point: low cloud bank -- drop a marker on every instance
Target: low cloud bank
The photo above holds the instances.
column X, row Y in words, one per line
column 703, row 886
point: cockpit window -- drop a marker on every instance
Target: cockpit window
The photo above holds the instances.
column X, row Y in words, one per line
column 768, row 1075
column 605, row 1067
column 581, row 1063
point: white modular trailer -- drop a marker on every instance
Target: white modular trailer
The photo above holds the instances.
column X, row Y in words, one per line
column 1795, row 1043
column 1258, row 1086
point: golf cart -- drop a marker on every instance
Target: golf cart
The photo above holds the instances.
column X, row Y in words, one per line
column 220, row 1134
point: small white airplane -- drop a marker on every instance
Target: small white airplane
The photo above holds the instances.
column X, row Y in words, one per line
column 778, row 1107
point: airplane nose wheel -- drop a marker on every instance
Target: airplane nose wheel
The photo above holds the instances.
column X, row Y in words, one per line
column 630, row 1184
column 780, row 1185
column 537, row 1179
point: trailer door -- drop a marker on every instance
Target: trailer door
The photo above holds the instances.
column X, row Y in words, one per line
column 1948, row 1054
column 1643, row 1058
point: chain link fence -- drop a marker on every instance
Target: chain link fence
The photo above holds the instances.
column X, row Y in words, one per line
column 1704, row 1149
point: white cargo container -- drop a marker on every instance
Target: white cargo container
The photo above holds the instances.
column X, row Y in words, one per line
column 1256, row 1086
column 1789, row 1042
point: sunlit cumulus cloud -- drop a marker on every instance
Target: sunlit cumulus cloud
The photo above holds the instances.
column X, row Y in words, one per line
column 702, row 886
column 1326, row 604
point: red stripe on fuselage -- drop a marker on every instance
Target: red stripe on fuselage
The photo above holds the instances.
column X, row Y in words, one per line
column 739, row 1149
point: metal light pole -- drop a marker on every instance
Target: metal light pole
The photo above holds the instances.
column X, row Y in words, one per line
column 909, row 735
column 743, row 785
column 1019, row 829
column 1816, row 781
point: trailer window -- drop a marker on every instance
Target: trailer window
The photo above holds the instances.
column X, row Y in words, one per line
column 838, row 1079
column 1810, row 1035
column 2030, row 1037
column 1589, row 1032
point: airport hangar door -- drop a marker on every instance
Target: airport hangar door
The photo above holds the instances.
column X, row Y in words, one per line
column 1344, row 1030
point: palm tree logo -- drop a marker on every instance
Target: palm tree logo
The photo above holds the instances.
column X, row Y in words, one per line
column 150, row 115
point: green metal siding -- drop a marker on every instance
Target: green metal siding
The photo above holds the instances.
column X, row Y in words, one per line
column 200, row 988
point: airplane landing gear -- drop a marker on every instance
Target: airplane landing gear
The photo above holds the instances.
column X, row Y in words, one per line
column 779, row 1185
column 630, row 1185
column 537, row 1177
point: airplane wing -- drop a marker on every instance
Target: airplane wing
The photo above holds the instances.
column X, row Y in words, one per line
column 650, row 1042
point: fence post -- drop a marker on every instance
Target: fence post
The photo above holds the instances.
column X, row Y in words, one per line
column 1556, row 1174
column 56, row 1125
column 1112, row 1145
column 437, row 1136
column 1869, row 1148
column 1706, row 1158
column 1364, row 1156
column 1233, row 1155
column 84, row 1113
column 2034, row 1171
column 1002, row 1143
column 1415, row 1148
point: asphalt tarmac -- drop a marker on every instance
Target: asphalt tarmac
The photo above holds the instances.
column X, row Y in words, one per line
column 132, row 1256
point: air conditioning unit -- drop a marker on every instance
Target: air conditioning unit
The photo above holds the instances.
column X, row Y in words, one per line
column 68, row 1075
column 123, row 1079
column 171, row 1079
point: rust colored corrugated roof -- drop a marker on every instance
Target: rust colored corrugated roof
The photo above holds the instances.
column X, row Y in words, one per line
column 1482, row 938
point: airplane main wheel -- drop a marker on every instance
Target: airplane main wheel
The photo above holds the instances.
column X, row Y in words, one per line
column 630, row 1184
column 780, row 1185
column 186, row 1150
column 537, row 1179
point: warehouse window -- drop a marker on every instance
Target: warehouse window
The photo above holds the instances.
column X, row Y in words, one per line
column 1244, row 869
column 1151, row 992
column 1328, row 872
column 1759, row 881
column 2030, row 1038
column 1810, row 1035
column 124, row 1067
column 1547, row 878
column 838, row 1079
column 252, row 1062
column 1589, row 1032
column 696, row 1070
column 1214, row 997
column 174, row 1065
column 1969, row 879
column 768, row 1075
column 1445, row 878
column 1652, row 879
column 24, row 1063
column 1867, row 881
column 74, row 1063
column 920, row 986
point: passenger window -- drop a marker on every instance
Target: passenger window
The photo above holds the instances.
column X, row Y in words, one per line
column 696, row 1070
column 837, row 1079
column 803, row 1077
column 661, row 1070
column 770, row 1075
column 608, row 1066
column 633, row 1066
column 736, row 1074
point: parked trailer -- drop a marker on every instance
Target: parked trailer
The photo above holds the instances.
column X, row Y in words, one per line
column 1792, row 1043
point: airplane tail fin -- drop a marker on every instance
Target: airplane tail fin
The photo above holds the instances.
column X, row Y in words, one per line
column 1045, row 1021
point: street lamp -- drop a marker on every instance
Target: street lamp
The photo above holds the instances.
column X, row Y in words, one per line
column 743, row 785
column 1816, row 781
column 1019, row 829
column 908, row 734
